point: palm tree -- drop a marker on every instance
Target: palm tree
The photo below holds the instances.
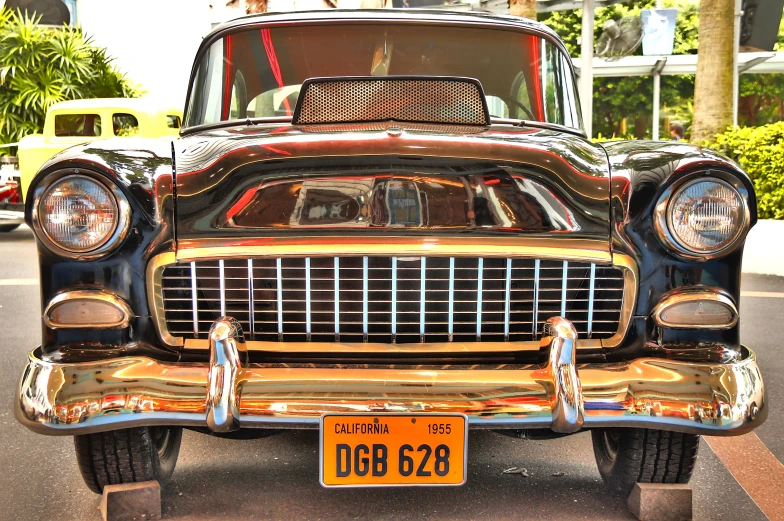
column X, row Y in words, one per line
column 256, row 6
column 713, row 85
column 524, row 8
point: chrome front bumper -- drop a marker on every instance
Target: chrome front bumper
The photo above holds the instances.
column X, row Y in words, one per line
column 228, row 393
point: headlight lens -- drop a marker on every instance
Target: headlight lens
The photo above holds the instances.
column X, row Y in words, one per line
column 706, row 215
column 78, row 213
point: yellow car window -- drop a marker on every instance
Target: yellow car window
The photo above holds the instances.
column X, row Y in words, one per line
column 125, row 125
column 77, row 125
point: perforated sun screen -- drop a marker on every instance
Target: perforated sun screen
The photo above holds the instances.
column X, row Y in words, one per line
column 456, row 101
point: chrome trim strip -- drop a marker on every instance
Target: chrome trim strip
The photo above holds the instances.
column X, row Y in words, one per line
column 507, row 297
column 279, row 270
column 582, row 250
column 565, row 278
column 337, row 299
column 365, row 298
column 71, row 398
column 408, row 348
column 535, row 318
column 592, row 286
column 222, row 282
column 97, row 295
column 450, row 326
column 479, row 277
column 307, row 298
column 422, row 279
column 194, row 300
column 251, row 300
column 394, row 299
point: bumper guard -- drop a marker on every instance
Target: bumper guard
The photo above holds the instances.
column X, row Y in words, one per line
column 228, row 393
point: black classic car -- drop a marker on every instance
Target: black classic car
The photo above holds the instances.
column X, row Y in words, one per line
column 389, row 226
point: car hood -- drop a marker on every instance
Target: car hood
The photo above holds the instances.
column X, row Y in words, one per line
column 390, row 178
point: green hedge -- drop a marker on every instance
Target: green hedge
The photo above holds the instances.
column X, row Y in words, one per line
column 760, row 152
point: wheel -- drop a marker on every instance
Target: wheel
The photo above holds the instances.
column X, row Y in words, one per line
column 127, row 456
column 8, row 227
column 629, row 456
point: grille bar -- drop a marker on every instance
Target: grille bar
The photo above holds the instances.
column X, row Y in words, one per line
column 251, row 318
column 391, row 299
column 591, row 287
column 279, row 267
column 307, row 297
column 194, row 300
column 479, row 300
column 365, row 298
column 422, row 278
column 451, row 297
column 394, row 299
column 336, row 298
column 537, row 266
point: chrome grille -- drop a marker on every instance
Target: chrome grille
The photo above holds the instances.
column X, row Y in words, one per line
column 391, row 299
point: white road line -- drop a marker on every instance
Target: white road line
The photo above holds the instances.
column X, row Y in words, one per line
column 18, row 282
column 762, row 294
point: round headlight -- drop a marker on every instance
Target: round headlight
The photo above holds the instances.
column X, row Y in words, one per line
column 705, row 216
column 78, row 213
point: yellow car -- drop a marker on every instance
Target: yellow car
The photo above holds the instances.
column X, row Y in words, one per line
column 74, row 122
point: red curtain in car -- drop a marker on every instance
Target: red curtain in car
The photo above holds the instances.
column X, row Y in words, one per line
column 535, row 50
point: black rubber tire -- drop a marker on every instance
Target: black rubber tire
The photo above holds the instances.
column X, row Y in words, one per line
column 5, row 228
column 629, row 456
column 127, row 455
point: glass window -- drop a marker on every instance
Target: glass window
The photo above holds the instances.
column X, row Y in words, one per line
column 125, row 125
column 496, row 107
column 258, row 73
column 173, row 121
column 77, row 125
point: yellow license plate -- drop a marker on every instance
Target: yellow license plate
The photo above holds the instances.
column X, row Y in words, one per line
column 366, row 450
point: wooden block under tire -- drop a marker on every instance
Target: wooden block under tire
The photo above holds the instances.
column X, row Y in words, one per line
column 131, row 501
column 661, row 502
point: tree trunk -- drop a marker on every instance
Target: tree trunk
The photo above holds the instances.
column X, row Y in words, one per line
column 713, row 85
column 256, row 6
column 524, row 8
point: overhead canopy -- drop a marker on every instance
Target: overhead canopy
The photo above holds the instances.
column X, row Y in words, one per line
column 542, row 6
column 748, row 63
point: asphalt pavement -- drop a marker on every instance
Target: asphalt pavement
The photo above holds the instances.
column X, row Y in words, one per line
column 277, row 477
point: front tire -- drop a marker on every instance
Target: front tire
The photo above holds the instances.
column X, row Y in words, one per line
column 5, row 228
column 629, row 456
column 127, row 455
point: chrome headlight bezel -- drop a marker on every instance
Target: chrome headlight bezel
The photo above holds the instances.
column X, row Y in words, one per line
column 113, row 239
column 661, row 217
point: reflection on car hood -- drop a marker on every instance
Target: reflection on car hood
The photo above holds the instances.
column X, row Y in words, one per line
column 389, row 177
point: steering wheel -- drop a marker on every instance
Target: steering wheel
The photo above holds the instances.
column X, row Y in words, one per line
column 512, row 101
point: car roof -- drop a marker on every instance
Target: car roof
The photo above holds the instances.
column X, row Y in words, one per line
column 138, row 104
column 397, row 15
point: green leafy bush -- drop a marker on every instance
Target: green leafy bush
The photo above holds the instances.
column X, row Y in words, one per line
column 760, row 152
column 42, row 65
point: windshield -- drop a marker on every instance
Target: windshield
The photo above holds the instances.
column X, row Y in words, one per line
column 258, row 72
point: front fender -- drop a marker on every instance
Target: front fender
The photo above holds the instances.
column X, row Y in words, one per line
column 142, row 170
column 640, row 171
